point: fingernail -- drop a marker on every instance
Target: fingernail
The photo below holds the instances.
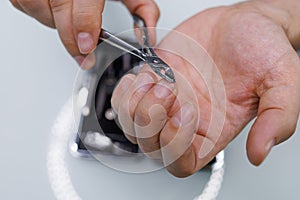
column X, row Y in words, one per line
column 126, row 82
column 79, row 59
column 144, row 82
column 184, row 116
column 163, row 89
column 85, row 42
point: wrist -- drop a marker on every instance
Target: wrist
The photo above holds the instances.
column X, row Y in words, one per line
column 286, row 13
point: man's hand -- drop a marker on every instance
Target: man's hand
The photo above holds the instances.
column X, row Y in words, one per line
column 79, row 22
column 260, row 71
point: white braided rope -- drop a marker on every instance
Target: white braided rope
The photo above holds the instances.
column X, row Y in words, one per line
column 58, row 173
column 59, row 177
column 213, row 186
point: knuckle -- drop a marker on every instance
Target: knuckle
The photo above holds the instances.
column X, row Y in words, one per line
column 59, row 5
column 14, row 3
column 146, row 145
column 28, row 4
column 37, row 9
column 149, row 148
column 178, row 171
column 131, row 138
column 290, row 120
column 84, row 13
column 87, row 19
column 141, row 116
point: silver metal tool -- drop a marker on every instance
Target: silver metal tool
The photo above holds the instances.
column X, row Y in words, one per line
column 146, row 53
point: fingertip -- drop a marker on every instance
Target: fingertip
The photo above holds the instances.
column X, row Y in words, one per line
column 89, row 61
column 151, row 22
column 176, row 139
column 132, row 139
column 79, row 59
column 179, row 173
column 16, row 4
column 148, row 11
column 271, row 127
column 259, row 144
column 86, row 62
column 87, row 22
column 257, row 155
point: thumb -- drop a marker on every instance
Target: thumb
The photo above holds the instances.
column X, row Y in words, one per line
column 277, row 113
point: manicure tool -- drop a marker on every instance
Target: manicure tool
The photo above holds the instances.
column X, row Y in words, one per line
column 146, row 53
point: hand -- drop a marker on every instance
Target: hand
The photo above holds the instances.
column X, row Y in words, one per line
column 79, row 22
column 260, row 72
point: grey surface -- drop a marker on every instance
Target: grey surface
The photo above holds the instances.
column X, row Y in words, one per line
column 36, row 78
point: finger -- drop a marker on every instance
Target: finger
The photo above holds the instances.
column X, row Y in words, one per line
column 117, row 95
column 278, row 112
column 128, row 102
column 182, row 145
column 62, row 14
column 17, row 5
column 148, row 11
column 87, row 17
column 120, row 90
column 151, row 115
column 88, row 61
column 176, row 139
column 275, row 124
column 38, row 9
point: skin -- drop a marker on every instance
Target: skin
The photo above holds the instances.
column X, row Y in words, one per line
column 260, row 71
column 79, row 22
column 251, row 43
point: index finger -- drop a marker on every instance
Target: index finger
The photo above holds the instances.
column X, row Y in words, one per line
column 151, row 114
column 87, row 20
column 63, row 16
